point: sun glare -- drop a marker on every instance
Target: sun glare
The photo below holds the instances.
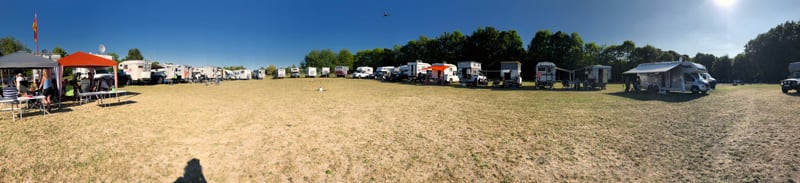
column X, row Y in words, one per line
column 724, row 3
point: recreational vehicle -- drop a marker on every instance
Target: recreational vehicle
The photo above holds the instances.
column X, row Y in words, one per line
column 295, row 72
column 207, row 72
column 259, row 74
column 341, row 71
column 383, row 73
column 664, row 77
column 363, row 72
column 326, row 72
column 243, row 74
column 469, row 73
column 417, row 70
column 545, row 74
column 280, row 74
column 311, row 72
column 511, row 72
column 597, row 76
column 399, row 73
column 793, row 81
column 137, row 70
column 444, row 73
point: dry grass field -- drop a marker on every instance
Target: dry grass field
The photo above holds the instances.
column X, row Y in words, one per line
column 368, row 131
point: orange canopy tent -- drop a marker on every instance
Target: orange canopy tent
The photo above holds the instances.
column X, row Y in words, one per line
column 85, row 60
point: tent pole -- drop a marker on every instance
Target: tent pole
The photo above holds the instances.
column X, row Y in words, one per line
column 116, row 83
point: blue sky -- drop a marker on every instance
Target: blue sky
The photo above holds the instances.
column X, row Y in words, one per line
column 258, row 33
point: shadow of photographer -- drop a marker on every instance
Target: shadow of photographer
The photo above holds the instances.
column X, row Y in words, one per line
column 193, row 173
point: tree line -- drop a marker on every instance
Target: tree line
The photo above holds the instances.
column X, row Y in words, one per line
column 765, row 58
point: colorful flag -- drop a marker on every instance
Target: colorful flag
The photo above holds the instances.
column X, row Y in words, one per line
column 35, row 29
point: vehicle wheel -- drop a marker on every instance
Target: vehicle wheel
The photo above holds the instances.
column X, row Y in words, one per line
column 695, row 90
column 785, row 90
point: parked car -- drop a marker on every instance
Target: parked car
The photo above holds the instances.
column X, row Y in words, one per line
column 793, row 81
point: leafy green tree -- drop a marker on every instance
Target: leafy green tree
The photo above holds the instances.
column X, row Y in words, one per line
column 134, row 54
column 271, row 69
column 771, row 52
column 345, row 58
column 722, row 69
column 59, row 51
column 234, row 67
column 705, row 59
column 9, row 45
column 114, row 56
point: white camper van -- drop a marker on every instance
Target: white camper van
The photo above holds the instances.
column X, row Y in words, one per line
column 295, row 72
column 363, row 72
column 326, row 72
column 545, row 74
column 280, row 73
column 511, row 72
column 675, row 76
column 243, row 74
column 469, row 73
column 137, row 70
column 444, row 73
column 417, row 70
column 311, row 72
column 383, row 73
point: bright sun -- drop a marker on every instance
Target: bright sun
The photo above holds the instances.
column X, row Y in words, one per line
column 724, row 3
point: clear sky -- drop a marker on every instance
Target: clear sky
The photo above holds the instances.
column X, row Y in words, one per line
column 257, row 33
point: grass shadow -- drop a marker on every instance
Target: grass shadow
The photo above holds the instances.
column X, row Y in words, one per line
column 670, row 97
column 113, row 104
column 193, row 172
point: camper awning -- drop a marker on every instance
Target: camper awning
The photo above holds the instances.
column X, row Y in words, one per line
column 439, row 67
column 653, row 68
column 24, row 60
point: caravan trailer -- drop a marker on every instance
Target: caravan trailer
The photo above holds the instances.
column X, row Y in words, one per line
column 138, row 70
column 511, row 72
column 444, row 73
column 470, row 73
column 674, row 76
column 417, row 70
column 363, row 72
column 326, row 72
column 311, row 72
column 545, row 74
column 280, row 73
column 597, row 76
column 242, row 74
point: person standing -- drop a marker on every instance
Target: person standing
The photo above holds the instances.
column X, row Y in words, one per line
column 47, row 87
column 627, row 83
column 18, row 82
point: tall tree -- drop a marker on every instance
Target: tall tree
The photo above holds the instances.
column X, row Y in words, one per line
column 271, row 69
column 134, row 54
column 771, row 52
column 59, row 51
column 9, row 45
column 722, row 69
column 345, row 58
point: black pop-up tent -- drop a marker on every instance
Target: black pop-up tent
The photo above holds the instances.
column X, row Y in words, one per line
column 24, row 60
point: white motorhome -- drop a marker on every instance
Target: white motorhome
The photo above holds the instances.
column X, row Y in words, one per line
column 242, row 74
column 295, row 72
column 511, row 72
column 311, row 72
column 280, row 73
column 137, row 70
column 326, row 72
column 177, row 72
column 207, row 71
column 383, row 73
column 545, row 74
column 363, row 72
column 469, row 73
column 444, row 73
column 259, row 74
column 417, row 70
column 675, row 76
column 341, row 71
column 597, row 76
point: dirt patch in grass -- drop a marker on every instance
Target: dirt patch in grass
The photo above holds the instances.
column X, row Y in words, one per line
column 368, row 131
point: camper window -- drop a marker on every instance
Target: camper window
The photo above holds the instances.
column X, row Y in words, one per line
column 688, row 77
column 140, row 66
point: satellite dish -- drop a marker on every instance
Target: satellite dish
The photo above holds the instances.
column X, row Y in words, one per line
column 102, row 48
